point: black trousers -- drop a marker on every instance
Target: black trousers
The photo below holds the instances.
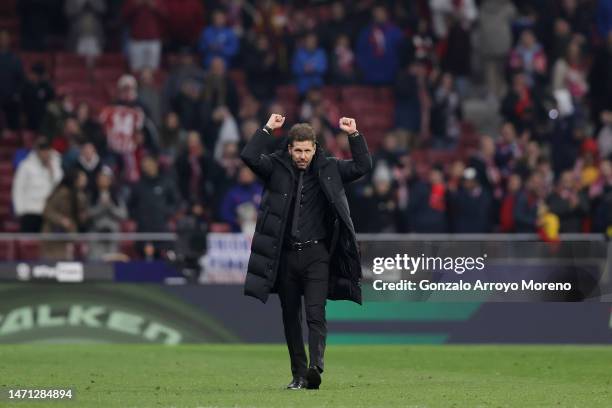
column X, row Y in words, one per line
column 304, row 272
column 30, row 223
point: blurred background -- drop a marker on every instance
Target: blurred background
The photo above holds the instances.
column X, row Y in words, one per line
column 122, row 123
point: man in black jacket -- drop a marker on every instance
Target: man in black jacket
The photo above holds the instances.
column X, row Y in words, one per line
column 304, row 241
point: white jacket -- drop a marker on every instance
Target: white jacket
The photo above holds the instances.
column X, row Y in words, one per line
column 33, row 183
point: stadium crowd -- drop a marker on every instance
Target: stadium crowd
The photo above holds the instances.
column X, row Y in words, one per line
column 166, row 149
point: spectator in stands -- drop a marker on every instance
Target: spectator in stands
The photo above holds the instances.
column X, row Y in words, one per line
column 569, row 203
column 458, row 57
column 444, row 11
column 219, row 90
column 489, row 176
column 35, row 179
column 600, row 82
column 445, row 113
column 197, row 172
column 412, row 97
column 495, row 41
column 106, row 213
column 57, row 112
column 193, row 113
column 599, row 196
column 241, row 199
column 427, row 206
column 390, row 150
column 261, row 66
column 378, row 48
column 570, row 74
column 145, row 19
column 338, row 25
column 86, row 33
column 230, row 163
column 507, row 150
column 35, row 19
column 171, row 136
column 65, row 211
column 586, row 167
column 529, row 58
column 218, row 40
column 470, row 206
column 528, row 201
column 379, row 203
column 186, row 70
column 154, row 199
column 519, row 106
column 91, row 129
column 149, row 95
column 123, row 123
column 604, row 137
column 309, row 64
column 604, row 17
column 404, row 178
column 90, row 164
column 342, row 66
column 185, row 20
column 37, row 93
column 220, row 97
column 68, row 141
column 506, row 214
column 11, row 82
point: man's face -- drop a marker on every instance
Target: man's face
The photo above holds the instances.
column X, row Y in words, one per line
column 88, row 151
column 44, row 155
column 302, row 153
column 219, row 19
column 149, row 167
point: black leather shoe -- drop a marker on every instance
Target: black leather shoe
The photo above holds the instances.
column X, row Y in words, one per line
column 297, row 384
column 313, row 378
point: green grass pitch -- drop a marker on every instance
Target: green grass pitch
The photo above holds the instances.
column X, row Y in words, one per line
column 190, row 376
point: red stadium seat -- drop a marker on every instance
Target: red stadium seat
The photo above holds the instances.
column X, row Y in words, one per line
column 28, row 250
column 354, row 93
column 287, row 93
column 11, row 138
column 6, row 168
column 65, row 74
column 107, row 75
column 75, row 89
column 7, row 251
column 111, row 60
column 11, row 226
column 331, row 93
column 69, row 60
column 6, row 153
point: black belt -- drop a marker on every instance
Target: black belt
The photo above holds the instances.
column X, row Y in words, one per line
column 298, row 246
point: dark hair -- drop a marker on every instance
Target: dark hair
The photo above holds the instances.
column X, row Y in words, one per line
column 301, row 132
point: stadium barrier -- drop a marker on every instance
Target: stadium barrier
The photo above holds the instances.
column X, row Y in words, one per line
column 155, row 301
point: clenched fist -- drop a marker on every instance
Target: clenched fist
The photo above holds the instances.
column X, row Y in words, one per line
column 275, row 121
column 348, row 125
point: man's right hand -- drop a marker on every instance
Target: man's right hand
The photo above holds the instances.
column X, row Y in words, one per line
column 276, row 121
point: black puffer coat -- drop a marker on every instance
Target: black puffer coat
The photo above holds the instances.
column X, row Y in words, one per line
column 277, row 174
